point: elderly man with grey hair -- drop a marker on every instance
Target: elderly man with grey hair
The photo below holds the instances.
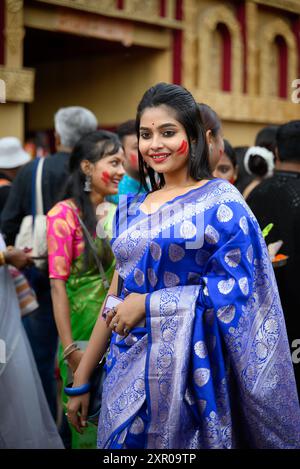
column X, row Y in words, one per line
column 71, row 123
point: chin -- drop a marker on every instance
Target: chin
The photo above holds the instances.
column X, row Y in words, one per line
column 113, row 191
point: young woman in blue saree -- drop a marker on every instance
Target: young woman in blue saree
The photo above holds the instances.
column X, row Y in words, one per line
column 199, row 356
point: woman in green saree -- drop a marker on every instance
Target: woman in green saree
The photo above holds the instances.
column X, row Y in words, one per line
column 79, row 283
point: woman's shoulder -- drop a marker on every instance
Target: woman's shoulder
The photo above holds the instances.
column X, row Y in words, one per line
column 225, row 204
column 65, row 210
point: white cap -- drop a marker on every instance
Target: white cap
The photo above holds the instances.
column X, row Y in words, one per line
column 12, row 154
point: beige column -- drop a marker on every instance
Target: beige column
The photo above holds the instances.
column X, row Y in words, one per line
column 12, row 114
column 252, row 48
column 190, row 43
column 14, row 34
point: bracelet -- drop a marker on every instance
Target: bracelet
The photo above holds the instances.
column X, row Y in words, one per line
column 78, row 391
column 71, row 351
column 2, row 258
column 69, row 346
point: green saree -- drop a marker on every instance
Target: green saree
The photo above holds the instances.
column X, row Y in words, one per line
column 86, row 294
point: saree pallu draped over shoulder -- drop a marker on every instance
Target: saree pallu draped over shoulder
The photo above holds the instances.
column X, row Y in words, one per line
column 211, row 366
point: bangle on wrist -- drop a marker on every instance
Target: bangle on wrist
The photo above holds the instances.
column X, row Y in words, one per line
column 74, row 349
column 2, row 258
column 77, row 390
column 72, row 344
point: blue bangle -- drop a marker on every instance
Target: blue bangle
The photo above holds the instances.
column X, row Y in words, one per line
column 77, row 391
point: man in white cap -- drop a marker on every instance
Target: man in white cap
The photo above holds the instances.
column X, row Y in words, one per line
column 12, row 157
column 71, row 123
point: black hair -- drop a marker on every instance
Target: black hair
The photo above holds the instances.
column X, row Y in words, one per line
column 257, row 165
column 243, row 178
column 230, row 153
column 210, row 119
column 266, row 137
column 187, row 113
column 92, row 147
column 288, row 141
column 127, row 128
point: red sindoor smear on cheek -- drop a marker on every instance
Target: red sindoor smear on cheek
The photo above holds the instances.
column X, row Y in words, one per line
column 133, row 159
column 182, row 150
column 105, row 177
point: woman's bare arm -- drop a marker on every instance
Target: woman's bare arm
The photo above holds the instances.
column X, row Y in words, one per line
column 61, row 311
column 97, row 344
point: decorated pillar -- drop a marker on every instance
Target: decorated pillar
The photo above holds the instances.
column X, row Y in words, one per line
column 13, row 34
column 252, row 48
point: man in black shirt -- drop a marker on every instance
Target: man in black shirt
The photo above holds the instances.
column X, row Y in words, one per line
column 70, row 123
column 277, row 200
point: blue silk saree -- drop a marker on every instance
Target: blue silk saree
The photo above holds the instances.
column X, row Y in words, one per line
column 210, row 367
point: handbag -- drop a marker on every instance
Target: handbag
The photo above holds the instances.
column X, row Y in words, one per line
column 98, row 376
column 33, row 230
column 25, row 294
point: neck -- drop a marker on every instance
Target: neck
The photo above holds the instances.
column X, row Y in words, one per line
column 63, row 149
column 287, row 166
column 176, row 180
column 96, row 199
column 10, row 173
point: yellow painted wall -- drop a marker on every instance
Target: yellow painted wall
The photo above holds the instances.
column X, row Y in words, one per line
column 12, row 120
column 110, row 86
column 241, row 133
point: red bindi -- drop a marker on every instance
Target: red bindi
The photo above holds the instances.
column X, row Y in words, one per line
column 105, row 177
column 182, row 150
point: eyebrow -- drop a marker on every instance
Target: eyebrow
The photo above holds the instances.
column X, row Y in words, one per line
column 167, row 124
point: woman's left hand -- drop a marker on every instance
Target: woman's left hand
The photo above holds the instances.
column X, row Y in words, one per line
column 127, row 314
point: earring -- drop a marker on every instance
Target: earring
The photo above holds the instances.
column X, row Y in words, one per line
column 87, row 183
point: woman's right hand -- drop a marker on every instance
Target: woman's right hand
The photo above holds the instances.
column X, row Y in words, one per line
column 77, row 410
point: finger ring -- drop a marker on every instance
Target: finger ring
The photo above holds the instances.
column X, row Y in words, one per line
column 113, row 311
column 115, row 325
column 126, row 330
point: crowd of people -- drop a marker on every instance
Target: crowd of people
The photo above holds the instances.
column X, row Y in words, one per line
column 167, row 216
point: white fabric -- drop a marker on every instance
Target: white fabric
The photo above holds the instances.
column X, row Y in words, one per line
column 12, row 154
column 35, row 236
column 25, row 418
column 267, row 155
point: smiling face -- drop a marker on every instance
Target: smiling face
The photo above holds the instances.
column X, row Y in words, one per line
column 225, row 169
column 107, row 173
column 163, row 140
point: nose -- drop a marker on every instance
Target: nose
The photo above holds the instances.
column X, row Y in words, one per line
column 121, row 170
column 156, row 143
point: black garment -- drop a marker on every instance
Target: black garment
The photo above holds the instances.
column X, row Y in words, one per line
column 4, row 191
column 18, row 205
column 277, row 200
